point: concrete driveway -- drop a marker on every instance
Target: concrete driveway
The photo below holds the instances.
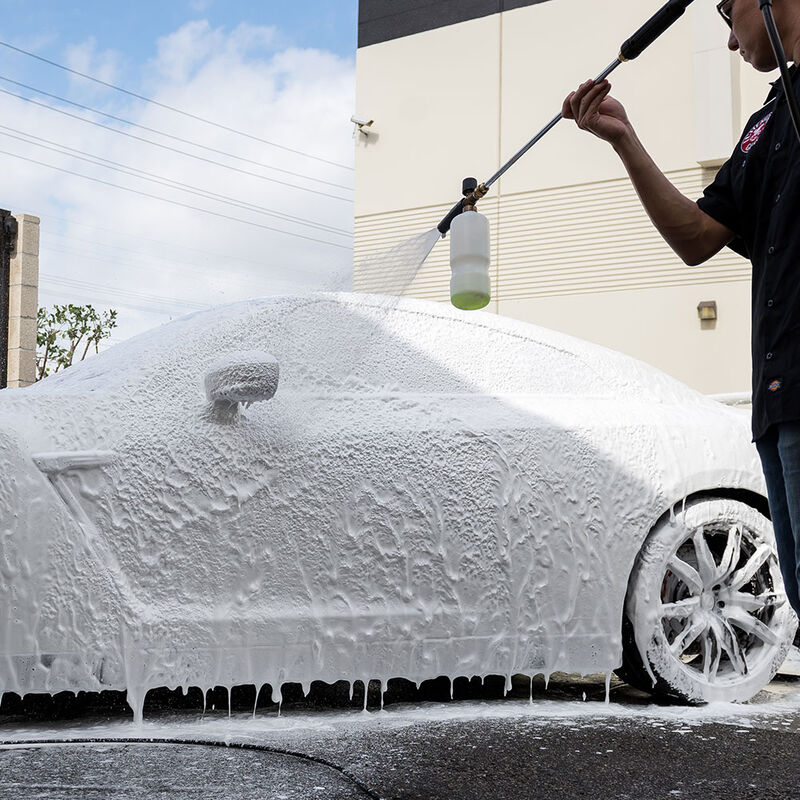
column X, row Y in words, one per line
column 568, row 743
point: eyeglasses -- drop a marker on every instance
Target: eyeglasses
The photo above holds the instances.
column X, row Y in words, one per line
column 724, row 9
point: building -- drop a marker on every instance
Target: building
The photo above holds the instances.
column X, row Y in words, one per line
column 455, row 88
column 19, row 298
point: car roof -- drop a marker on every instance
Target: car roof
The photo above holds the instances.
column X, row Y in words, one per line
column 350, row 330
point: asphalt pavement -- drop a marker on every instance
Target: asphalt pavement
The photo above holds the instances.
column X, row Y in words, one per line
column 567, row 743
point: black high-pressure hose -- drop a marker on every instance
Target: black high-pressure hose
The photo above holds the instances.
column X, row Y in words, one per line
column 780, row 57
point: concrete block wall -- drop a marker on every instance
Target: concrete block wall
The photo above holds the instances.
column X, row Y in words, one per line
column 23, row 304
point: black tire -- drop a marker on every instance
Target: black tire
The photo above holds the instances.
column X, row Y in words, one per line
column 705, row 614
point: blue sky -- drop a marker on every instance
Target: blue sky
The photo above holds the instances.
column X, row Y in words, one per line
column 280, row 71
column 133, row 28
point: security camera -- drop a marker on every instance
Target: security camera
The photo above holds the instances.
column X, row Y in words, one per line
column 361, row 125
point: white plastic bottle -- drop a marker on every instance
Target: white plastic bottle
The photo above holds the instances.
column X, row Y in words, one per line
column 470, row 287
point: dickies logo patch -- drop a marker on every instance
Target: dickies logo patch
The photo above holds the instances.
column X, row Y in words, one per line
column 774, row 386
column 754, row 134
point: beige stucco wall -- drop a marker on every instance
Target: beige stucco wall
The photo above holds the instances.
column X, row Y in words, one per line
column 572, row 248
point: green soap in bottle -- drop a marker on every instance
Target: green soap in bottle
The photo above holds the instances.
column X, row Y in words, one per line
column 470, row 286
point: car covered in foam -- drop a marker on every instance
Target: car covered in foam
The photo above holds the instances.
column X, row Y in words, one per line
column 353, row 487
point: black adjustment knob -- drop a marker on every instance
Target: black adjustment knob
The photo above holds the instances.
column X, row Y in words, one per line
column 468, row 186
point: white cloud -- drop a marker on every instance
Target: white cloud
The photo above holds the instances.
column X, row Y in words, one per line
column 86, row 58
column 299, row 98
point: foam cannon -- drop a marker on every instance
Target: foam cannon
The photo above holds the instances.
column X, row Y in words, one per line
column 469, row 230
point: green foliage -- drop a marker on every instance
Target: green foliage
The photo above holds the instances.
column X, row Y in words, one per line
column 67, row 332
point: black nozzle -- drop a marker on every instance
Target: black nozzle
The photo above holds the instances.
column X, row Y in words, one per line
column 653, row 28
column 445, row 224
column 468, row 186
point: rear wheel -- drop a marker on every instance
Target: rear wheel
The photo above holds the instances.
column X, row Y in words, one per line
column 705, row 614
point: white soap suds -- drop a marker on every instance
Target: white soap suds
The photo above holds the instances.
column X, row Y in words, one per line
column 428, row 493
column 244, row 376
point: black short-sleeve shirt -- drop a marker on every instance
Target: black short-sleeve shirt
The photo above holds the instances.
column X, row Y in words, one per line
column 757, row 195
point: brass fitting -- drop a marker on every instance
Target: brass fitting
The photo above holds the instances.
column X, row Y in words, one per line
column 472, row 198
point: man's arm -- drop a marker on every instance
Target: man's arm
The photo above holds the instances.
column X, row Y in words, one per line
column 689, row 231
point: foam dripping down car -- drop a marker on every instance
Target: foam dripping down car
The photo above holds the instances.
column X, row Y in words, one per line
column 339, row 487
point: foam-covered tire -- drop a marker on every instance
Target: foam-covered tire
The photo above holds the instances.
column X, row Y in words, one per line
column 705, row 614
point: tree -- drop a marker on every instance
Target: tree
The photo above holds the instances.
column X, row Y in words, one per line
column 67, row 332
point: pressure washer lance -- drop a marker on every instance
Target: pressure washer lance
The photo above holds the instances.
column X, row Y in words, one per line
column 469, row 239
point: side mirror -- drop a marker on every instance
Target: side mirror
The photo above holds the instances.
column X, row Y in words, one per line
column 245, row 376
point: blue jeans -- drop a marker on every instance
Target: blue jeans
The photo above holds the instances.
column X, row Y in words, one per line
column 779, row 449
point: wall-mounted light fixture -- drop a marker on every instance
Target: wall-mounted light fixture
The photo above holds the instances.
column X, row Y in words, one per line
column 707, row 310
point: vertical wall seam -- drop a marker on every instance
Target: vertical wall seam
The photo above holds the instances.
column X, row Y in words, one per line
column 498, row 217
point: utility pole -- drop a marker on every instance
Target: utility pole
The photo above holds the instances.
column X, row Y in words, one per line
column 8, row 243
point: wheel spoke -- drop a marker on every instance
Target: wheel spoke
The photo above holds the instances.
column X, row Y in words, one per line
column 742, row 620
column 753, row 603
column 753, row 565
column 730, row 558
column 688, row 636
column 706, row 565
column 707, row 646
column 686, row 573
column 714, row 666
column 680, row 609
column 730, row 644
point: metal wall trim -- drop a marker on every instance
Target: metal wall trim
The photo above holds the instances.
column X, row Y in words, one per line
column 383, row 20
column 8, row 242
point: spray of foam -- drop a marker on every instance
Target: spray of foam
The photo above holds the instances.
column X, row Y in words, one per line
column 389, row 275
column 393, row 271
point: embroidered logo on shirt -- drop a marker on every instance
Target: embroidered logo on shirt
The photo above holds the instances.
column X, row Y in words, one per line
column 754, row 134
column 775, row 385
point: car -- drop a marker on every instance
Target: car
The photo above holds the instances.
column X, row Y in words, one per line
column 346, row 486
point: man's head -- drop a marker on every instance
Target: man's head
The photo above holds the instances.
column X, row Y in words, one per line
column 749, row 34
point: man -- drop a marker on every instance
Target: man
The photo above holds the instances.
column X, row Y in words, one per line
column 753, row 206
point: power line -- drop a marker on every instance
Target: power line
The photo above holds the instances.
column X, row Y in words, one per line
column 172, row 136
column 164, row 264
column 169, row 264
column 168, row 182
column 207, row 254
column 171, row 149
column 116, row 292
column 200, row 269
column 176, row 311
column 118, row 261
column 125, row 294
column 172, row 108
column 174, row 202
column 139, row 238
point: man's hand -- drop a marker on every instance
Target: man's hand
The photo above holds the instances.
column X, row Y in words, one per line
column 689, row 231
column 594, row 110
